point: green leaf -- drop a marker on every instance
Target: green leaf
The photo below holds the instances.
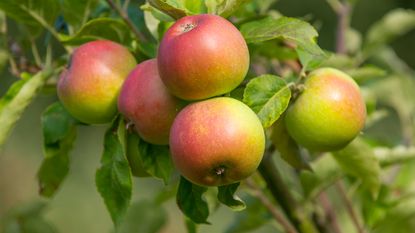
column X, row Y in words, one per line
column 156, row 160
column 358, row 159
column 33, row 13
column 195, row 6
column 285, row 28
column 325, row 171
column 76, row 12
column 15, row 101
column 4, row 56
column 226, row 195
column 255, row 216
column 133, row 156
column 100, row 28
column 353, row 41
column 27, row 218
column 394, row 24
column 189, row 199
column 308, row 60
column 394, row 156
column 286, row 146
column 224, row 8
column 59, row 132
column 145, row 217
column 174, row 8
column 113, row 178
column 191, row 227
column 268, row 96
column 366, row 73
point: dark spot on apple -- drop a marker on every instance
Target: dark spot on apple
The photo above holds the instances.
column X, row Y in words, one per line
column 187, row 27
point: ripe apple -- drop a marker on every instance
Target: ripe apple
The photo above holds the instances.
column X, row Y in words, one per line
column 145, row 101
column 329, row 113
column 202, row 56
column 89, row 87
column 217, row 141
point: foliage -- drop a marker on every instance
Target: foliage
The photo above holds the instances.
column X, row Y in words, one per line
column 283, row 50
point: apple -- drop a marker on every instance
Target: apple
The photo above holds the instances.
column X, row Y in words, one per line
column 202, row 56
column 217, row 141
column 146, row 102
column 329, row 113
column 89, row 87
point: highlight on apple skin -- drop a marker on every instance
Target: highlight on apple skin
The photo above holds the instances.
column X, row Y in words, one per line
column 89, row 87
column 329, row 113
column 202, row 56
column 217, row 141
column 146, row 102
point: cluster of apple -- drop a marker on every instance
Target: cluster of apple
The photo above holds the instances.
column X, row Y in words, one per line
column 173, row 99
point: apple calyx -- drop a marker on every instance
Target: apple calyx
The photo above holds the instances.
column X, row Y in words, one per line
column 220, row 171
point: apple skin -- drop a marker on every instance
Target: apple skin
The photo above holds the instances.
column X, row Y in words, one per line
column 329, row 113
column 90, row 86
column 217, row 141
column 202, row 56
column 146, row 102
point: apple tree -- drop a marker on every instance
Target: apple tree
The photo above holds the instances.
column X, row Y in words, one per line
column 224, row 104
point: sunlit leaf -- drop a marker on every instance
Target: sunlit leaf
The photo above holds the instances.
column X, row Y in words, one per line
column 15, row 101
column 285, row 28
column 268, row 96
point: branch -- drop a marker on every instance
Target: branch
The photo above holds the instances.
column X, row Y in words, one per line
column 343, row 13
column 282, row 195
column 140, row 36
column 349, row 206
column 278, row 216
column 330, row 217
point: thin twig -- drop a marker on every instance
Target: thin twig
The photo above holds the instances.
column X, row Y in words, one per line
column 349, row 206
column 330, row 217
column 140, row 36
column 278, row 216
column 35, row 53
column 125, row 5
column 343, row 14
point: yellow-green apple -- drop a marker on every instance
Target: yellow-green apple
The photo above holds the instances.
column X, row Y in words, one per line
column 329, row 113
column 89, row 87
column 202, row 56
column 217, row 141
column 146, row 102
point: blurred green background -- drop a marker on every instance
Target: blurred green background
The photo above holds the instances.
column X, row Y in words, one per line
column 77, row 207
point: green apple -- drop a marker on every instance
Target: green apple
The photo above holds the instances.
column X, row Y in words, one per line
column 145, row 102
column 329, row 113
column 202, row 56
column 217, row 141
column 89, row 87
